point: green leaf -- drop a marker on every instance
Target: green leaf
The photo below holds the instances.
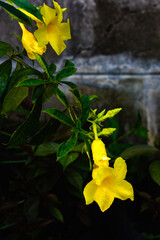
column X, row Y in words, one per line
column 46, row 149
column 61, row 96
column 32, row 82
column 5, row 48
column 49, row 129
column 52, row 68
column 15, row 13
column 28, row 7
column 5, row 71
column 43, row 64
column 37, row 92
column 70, row 84
column 137, row 150
column 85, row 108
column 57, row 114
column 21, row 74
column 7, row 226
column 28, row 127
column 154, row 170
column 76, row 95
column 68, row 63
column 75, row 179
column 13, row 99
column 65, row 72
column 67, row 146
column 68, row 159
column 56, row 213
column 48, row 92
column 106, row 131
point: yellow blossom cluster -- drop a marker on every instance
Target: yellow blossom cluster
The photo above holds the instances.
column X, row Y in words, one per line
column 107, row 182
column 52, row 31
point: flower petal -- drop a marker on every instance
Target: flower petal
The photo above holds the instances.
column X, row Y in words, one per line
column 122, row 189
column 30, row 44
column 101, row 173
column 41, row 35
column 120, row 168
column 48, row 13
column 55, row 38
column 59, row 11
column 89, row 191
column 65, row 30
column 104, row 197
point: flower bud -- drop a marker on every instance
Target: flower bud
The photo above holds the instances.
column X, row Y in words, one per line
column 99, row 153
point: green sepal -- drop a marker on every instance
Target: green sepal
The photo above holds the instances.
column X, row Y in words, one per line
column 28, row 7
column 109, row 114
column 15, row 13
column 57, row 114
column 106, row 131
column 28, row 127
column 67, row 146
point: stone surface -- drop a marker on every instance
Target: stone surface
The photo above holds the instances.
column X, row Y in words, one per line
column 116, row 47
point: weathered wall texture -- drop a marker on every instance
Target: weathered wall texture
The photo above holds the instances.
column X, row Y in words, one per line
column 116, row 47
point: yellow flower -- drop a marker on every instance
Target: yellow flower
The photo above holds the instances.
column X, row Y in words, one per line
column 30, row 43
column 108, row 183
column 53, row 30
column 99, row 153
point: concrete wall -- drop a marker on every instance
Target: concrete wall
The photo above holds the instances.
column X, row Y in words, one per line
column 116, row 47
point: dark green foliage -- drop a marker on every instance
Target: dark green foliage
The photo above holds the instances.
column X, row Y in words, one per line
column 28, row 7
column 15, row 13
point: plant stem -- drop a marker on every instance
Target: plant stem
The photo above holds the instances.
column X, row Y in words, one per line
column 95, row 131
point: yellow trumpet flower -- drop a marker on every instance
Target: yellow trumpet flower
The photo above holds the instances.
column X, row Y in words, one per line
column 108, row 183
column 53, row 30
column 99, row 153
column 30, row 43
